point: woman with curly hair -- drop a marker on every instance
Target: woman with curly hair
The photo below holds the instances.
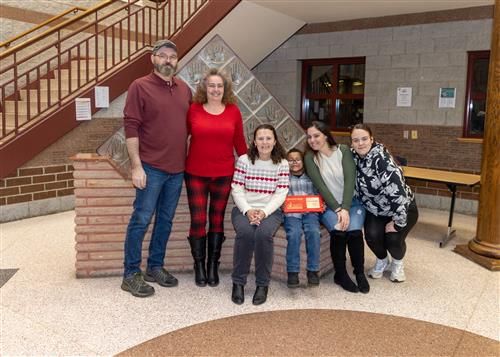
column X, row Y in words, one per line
column 216, row 129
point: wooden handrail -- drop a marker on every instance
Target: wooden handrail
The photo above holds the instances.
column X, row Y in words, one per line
column 41, row 79
column 58, row 27
column 40, row 82
column 74, row 9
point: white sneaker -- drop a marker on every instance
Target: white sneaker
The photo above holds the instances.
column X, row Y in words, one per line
column 378, row 269
column 397, row 271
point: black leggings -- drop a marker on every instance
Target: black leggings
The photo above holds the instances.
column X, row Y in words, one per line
column 394, row 242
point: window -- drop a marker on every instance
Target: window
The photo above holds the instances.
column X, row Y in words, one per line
column 475, row 100
column 333, row 92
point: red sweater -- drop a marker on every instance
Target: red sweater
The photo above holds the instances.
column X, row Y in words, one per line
column 213, row 138
column 155, row 112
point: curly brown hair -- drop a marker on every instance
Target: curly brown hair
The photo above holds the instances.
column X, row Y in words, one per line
column 200, row 95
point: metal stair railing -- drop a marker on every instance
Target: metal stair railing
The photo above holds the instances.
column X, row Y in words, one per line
column 47, row 71
column 9, row 41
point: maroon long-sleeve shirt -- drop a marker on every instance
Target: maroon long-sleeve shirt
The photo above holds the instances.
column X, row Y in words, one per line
column 155, row 112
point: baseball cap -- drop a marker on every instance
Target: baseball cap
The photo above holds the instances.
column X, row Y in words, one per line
column 164, row 43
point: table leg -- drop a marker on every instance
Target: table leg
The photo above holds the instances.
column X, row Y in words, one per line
column 451, row 232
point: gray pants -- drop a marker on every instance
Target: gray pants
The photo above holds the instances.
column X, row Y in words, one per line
column 250, row 239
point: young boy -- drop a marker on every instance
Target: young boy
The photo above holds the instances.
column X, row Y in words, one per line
column 300, row 184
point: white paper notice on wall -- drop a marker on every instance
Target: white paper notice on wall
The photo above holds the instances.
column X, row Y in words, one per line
column 101, row 97
column 83, row 111
column 403, row 97
column 447, row 97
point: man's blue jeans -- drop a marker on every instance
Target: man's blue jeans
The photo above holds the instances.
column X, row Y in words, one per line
column 293, row 227
column 160, row 195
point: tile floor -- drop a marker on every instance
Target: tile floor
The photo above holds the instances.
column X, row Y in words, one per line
column 46, row 310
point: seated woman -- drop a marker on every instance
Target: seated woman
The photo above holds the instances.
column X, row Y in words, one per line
column 259, row 188
column 391, row 211
column 331, row 169
column 216, row 129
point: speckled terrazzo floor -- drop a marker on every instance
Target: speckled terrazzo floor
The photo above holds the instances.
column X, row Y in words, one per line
column 45, row 310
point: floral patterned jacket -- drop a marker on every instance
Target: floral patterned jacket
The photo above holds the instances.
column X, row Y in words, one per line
column 381, row 186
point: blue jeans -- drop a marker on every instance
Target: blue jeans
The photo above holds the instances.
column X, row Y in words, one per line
column 160, row 195
column 293, row 227
column 356, row 217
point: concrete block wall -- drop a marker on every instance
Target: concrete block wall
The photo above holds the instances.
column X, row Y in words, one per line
column 424, row 57
column 103, row 207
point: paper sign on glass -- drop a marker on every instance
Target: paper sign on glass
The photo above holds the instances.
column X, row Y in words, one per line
column 303, row 204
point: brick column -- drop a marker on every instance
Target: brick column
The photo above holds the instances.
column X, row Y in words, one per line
column 484, row 249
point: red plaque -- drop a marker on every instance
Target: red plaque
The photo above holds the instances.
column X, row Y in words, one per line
column 303, row 204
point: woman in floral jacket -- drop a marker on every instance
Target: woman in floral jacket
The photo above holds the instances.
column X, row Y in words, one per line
column 391, row 211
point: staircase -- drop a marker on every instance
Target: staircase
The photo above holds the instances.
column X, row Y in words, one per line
column 33, row 102
column 107, row 45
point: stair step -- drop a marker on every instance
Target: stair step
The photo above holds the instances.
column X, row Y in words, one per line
column 54, row 83
column 91, row 64
column 9, row 129
column 43, row 95
column 9, row 124
column 10, row 120
column 22, row 107
column 22, row 119
column 74, row 75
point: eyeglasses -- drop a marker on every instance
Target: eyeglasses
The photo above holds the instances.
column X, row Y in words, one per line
column 294, row 161
column 164, row 57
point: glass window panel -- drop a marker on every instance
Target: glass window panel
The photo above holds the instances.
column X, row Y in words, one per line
column 477, row 117
column 352, row 78
column 319, row 80
column 318, row 109
column 348, row 112
column 480, row 75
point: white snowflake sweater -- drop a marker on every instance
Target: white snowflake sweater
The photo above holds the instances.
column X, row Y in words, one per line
column 262, row 185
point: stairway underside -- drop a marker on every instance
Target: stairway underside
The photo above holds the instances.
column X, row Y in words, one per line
column 33, row 137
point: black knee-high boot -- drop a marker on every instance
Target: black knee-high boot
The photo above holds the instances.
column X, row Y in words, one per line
column 338, row 243
column 199, row 252
column 357, row 252
column 215, row 241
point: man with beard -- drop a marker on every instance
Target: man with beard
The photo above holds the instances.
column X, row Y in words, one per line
column 156, row 132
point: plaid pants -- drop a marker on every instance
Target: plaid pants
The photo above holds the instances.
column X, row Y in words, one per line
column 199, row 189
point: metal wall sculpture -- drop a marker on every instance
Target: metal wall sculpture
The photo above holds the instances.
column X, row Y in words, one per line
column 256, row 104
